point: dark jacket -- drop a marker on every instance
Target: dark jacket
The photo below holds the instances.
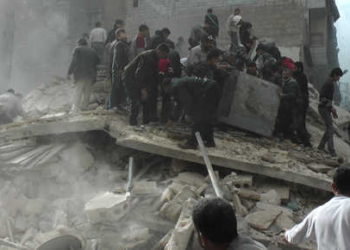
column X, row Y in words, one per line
column 141, row 72
column 84, row 63
column 213, row 21
column 301, row 78
column 291, row 94
column 155, row 41
column 244, row 32
column 326, row 94
column 121, row 55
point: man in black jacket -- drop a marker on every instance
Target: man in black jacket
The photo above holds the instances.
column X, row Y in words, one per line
column 141, row 80
column 301, row 78
column 326, row 110
column 120, row 58
column 84, row 68
column 161, row 36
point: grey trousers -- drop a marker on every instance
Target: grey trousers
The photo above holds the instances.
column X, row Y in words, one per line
column 328, row 134
column 82, row 94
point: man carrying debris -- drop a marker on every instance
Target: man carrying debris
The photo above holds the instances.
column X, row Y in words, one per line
column 141, row 79
column 326, row 110
column 10, row 107
column 138, row 44
column 199, row 53
column 84, row 68
column 98, row 37
column 216, row 226
column 120, row 58
column 329, row 224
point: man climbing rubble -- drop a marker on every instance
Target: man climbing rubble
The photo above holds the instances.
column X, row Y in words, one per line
column 216, row 226
column 84, row 68
column 10, row 107
column 329, row 224
column 120, row 58
column 141, row 80
column 327, row 111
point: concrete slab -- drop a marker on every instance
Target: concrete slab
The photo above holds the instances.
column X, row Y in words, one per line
column 254, row 104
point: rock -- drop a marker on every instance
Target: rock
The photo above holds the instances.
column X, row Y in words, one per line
column 239, row 181
column 191, row 178
column 240, row 209
column 248, row 203
column 176, row 186
column 201, row 189
column 145, row 187
column 136, row 235
column 249, row 194
column 106, row 208
column 271, row 197
column 284, row 222
column 319, row 168
column 268, row 207
column 262, row 220
column 20, row 224
column 268, row 158
column 178, row 166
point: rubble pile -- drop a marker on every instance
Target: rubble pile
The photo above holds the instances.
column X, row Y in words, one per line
column 79, row 191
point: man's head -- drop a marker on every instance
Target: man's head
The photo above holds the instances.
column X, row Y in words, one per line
column 162, row 51
column 143, row 30
column 119, row 24
column 336, row 74
column 82, row 42
column 11, row 91
column 287, row 74
column 237, row 12
column 98, row 24
column 213, row 57
column 207, row 42
column 165, row 33
column 341, row 183
column 210, row 11
column 299, row 67
column 215, row 222
column 251, row 68
column 120, row 34
column 260, row 49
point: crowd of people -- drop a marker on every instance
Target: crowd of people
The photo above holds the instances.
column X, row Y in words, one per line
column 149, row 67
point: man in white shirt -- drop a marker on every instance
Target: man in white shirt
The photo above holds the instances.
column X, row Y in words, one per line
column 98, row 37
column 199, row 53
column 328, row 225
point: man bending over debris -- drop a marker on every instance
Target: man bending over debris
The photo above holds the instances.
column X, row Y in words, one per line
column 216, row 225
column 329, row 224
column 84, row 67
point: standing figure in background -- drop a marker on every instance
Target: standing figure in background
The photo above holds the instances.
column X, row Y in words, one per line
column 181, row 47
column 119, row 24
column 212, row 21
column 98, row 37
column 327, row 111
column 232, row 28
column 84, row 68
column 159, row 38
column 120, row 58
column 199, row 53
column 138, row 44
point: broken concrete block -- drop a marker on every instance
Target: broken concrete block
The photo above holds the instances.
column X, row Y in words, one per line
column 319, row 168
column 239, row 181
column 271, row 197
column 144, row 187
column 284, row 222
column 268, row 158
column 248, row 203
column 183, row 229
column 176, row 186
column 201, row 189
column 20, row 224
column 249, row 103
column 262, row 219
column 167, row 195
column 34, row 207
column 178, row 166
column 78, row 157
column 106, row 208
column 135, row 236
column 191, row 178
column 249, row 194
column 240, row 209
column 267, row 207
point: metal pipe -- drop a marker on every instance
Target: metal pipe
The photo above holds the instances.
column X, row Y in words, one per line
column 129, row 184
column 210, row 169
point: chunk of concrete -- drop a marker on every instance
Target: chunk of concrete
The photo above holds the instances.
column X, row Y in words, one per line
column 178, row 166
column 239, row 181
column 144, row 187
column 193, row 179
column 240, row 209
column 136, row 236
column 249, row 194
column 184, row 228
column 267, row 207
column 78, row 158
column 262, row 220
column 249, row 103
column 319, row 168
column 284, row 222
column 271, row 197
column 106, row 208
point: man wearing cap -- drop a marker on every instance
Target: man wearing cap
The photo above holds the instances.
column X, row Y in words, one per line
column 120, row 58
column 84, row 68
column 199, row 53
column 327, row 111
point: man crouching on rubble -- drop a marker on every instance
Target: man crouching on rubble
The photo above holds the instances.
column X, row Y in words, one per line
column 329, row 224
column 84, row 68
column 216, row 226
column 202, row 98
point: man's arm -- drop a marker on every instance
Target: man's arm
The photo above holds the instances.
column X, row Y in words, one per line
column 301, row 232
column 73, row 64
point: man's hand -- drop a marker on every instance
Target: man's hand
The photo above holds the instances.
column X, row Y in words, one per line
column 144, row 95
column 283, row 237
column 334, row 113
